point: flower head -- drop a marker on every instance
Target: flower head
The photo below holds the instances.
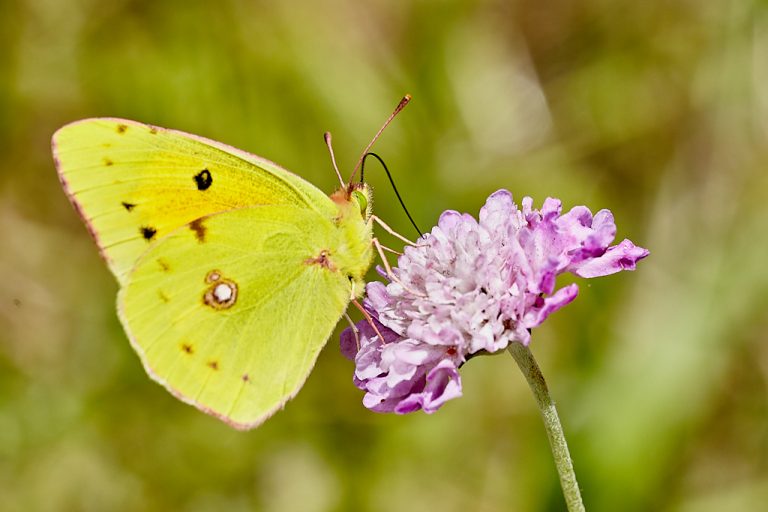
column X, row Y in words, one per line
column 474, row 286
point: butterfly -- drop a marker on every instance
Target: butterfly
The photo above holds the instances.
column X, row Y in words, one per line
column 233, row 271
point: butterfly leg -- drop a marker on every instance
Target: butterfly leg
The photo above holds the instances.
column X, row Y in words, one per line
column 390, row 230
column 384, row 247
column 384, row 261
column 368, row 318
column 391, row 275
column 354, row 328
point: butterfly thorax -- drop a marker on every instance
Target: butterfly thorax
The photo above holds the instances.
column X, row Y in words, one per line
column 354, row 254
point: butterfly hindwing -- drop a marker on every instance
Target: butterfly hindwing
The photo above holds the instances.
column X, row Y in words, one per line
column 134, row 183
column 231, row 311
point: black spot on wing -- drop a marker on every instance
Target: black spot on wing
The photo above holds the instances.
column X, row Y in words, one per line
column 187, row 348
column 108, row 162
column 213, row 365
column 203, row 179
column 199, row 229
column 128, row 206
column 121, row 128
column 148, row 232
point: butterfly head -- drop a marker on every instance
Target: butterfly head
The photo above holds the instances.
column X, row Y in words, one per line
column 362, row 197
column 355, row 198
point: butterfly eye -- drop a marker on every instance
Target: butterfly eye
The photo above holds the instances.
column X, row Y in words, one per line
column 362, row 200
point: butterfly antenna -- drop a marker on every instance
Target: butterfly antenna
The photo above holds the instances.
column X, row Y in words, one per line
column 400, row 106
column 327, row 137
column 392, row 182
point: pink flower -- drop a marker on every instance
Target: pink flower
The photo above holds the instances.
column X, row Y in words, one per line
column 470, row 287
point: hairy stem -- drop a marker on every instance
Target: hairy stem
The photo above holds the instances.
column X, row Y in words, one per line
column 529, row 367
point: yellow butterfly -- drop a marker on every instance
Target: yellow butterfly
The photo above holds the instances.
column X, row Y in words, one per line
column 233, row 271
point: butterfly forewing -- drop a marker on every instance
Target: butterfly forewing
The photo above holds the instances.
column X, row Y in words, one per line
column 134, row 183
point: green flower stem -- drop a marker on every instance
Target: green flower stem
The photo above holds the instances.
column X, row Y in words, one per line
column 526, row 362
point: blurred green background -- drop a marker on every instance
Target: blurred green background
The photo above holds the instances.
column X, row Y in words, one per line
column 656, row 110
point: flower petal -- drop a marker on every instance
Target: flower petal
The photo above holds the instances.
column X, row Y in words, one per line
column 619, row 257
column 443, row 383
